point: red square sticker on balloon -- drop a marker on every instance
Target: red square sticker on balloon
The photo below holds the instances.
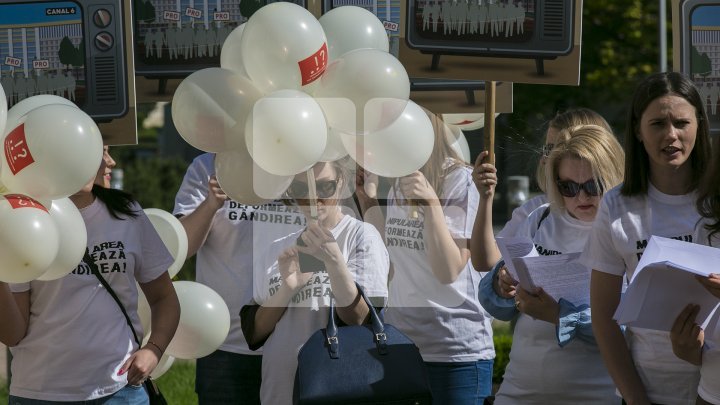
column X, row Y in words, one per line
column 313, row 66
column 22, row 201
column 17, row 152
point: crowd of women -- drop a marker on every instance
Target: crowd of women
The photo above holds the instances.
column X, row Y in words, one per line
column 428, row 256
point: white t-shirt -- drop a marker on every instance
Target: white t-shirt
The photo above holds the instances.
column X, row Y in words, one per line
column 445, row 321
column 540, row 371
column 367, row 261
column 238, row 233
column 620, row 233
column 520, row 214
column 77, row 337
column 709, row 387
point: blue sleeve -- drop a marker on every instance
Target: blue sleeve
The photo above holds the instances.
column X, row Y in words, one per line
column 574, row 322
column 497, row 306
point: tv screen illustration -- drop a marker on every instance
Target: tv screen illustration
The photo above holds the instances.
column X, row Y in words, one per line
column 174, row 38
column 72, row 49
column 700, row 53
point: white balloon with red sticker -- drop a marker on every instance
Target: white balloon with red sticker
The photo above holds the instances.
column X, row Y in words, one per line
column 283, row 46
column 73, row 243
column 287, row 132
column 29, row 239
column 210, row 106
column 52, row 154
column 204, row 321
column 23, row 107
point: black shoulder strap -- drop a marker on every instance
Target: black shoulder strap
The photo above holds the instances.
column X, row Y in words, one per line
column 543, row 216
column 93, row 267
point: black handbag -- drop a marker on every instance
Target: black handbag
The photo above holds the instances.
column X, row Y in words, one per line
column 156, row 397
column 360, row 364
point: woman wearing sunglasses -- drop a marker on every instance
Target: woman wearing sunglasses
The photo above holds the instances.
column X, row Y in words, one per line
column 292, row 298
column 554, row 358
column 668, row 147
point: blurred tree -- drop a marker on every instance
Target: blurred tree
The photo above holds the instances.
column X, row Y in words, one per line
column 700, row 63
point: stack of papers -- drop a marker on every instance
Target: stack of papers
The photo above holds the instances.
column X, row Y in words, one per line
column 561, row 276
column 664, row 284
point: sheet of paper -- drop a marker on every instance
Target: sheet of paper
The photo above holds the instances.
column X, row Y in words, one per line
column 561, row 276
column 698, row 259
column 514, row 247
column 659, row 293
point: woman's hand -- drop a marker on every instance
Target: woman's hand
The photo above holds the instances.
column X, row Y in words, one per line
column 484, row 176
column 711, row 283
column 538, row 305
column 320, row 243
column 289, row 265
column 505, row 285
column 416, row 187
column 686, row 336
column 216, row 196
column 139, row 366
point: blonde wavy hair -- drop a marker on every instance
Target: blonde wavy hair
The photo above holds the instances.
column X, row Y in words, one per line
column 593, row 144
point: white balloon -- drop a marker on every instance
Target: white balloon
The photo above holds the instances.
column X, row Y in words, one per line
column 457, row 140
column 398, row 150
column 204, row 321
column 173, row 235
column 283, row 46
column 73, row 243
column 210, row 106
column 29, row 239
column 350, row 27
column 287, row 132
column 143, row 311
column 164, row 364
column 374, row 81
column 3, row 112
column 246, row 182
column 334, row 149
column 26, row 105
column 230, row 54
column 53, row 154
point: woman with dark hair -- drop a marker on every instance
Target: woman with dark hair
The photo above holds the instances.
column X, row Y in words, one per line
column 688, row 339
column 667, row 148
column 69, row 339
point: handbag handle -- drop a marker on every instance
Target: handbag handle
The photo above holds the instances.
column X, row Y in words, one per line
column 375, row 323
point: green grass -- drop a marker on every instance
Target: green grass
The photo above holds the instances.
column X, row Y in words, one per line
column 177, row 385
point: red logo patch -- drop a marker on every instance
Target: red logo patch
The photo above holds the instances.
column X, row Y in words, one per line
column 22, row 201
column 17, row 153
column 313, row 67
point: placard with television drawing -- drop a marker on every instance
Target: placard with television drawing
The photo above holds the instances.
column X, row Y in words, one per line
column 522, row 41
column 696, row 33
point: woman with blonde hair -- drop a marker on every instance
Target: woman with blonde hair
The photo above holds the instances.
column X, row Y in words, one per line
column 554, row 358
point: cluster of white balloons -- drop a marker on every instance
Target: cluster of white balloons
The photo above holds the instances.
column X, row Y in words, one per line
column 293, row 90
column 51, row 149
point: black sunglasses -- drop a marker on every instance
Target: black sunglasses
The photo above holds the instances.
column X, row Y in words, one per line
column 569, row 188
column 324, row 189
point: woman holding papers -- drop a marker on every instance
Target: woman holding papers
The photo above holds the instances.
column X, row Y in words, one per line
column 568, row 119
column 554, row 358
column 668, row 149
column 688, row 340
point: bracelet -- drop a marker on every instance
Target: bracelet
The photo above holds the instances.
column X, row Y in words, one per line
column 150, row 342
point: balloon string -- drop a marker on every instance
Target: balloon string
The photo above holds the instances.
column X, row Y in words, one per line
column 312, row 194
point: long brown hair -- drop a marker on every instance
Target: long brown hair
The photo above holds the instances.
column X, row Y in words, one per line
column 637, row 163
column 436, row 167
column 708, row 202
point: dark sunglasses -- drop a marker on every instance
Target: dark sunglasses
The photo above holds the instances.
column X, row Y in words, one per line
column 547, row 148
column 569, row 188
column 324, row 188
